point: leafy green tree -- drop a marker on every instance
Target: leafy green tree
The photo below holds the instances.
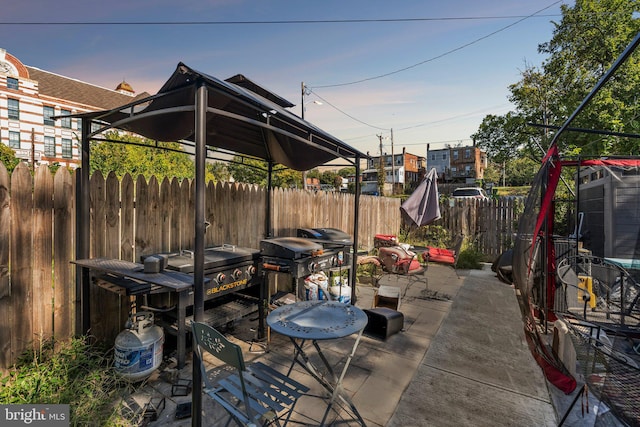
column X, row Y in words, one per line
column 330, row 178
column 250, row 171
column 585, row 43
column 254, row 171
column 313, row 173
column 136, row 155
column 501, row 137
column 521, row 171
column 493, row 173
column 8, row 158
column 217, row 171
column 287, row 178
column 348, row 171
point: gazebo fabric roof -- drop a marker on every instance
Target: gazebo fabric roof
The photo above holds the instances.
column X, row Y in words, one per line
column 238, row 120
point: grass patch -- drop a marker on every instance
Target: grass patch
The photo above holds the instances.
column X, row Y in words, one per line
column 71, row 372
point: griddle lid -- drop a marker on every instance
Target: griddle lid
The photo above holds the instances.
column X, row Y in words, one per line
column 289, row 247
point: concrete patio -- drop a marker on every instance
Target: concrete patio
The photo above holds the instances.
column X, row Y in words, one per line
column 460, row 360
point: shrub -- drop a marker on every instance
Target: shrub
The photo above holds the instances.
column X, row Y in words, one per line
column 470, row 258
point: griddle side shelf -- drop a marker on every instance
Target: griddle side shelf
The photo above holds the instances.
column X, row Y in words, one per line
column 175, row 281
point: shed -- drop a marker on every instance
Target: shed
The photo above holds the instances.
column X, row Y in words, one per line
column 608, row 201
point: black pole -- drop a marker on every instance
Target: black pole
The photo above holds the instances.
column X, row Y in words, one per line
column 356, row 213
column 83, row 225
column 200, row 229
column 267, row 219
column 263, row 299
column 575, row 399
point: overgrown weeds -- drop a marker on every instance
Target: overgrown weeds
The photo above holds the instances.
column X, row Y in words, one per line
column 72, row 372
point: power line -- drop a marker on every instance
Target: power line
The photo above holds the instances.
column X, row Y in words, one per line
column 535, row 14
column 345, row 113
column 449, row 52
column 281, row 22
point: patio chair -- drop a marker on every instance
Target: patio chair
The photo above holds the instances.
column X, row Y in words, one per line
column 254, row 395
column 448, row 256
column 394, row 261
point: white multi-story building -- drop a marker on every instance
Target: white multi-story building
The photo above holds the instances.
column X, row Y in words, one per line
column 30, row 97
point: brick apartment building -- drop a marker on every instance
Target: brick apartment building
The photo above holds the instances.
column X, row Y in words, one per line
column 403, row 172
column 30, row 97
column 458, row 164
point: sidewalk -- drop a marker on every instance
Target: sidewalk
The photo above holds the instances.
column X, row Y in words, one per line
column 460, row 360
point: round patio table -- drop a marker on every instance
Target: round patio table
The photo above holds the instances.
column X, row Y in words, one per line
column 316, row 321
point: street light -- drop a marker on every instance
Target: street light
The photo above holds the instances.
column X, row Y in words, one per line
column 304, row 91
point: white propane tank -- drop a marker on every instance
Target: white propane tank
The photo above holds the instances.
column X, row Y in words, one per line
column 138, row 349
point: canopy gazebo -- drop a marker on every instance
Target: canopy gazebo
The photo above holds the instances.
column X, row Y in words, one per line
column 234, row 117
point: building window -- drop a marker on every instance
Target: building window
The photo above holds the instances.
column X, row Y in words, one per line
column 455, row 155
column 79, row 123
column 14, row 139
column 14, row 109
column 12, row 83
column 47, row 114
column 49, row 146
column 467, row 153
column 66, row 148
column 65, row 122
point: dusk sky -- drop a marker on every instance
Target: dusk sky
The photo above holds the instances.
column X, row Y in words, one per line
column 429, row 70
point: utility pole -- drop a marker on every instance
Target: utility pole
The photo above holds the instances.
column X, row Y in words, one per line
column 302, row 88
column 381, row 174
column 393, row 171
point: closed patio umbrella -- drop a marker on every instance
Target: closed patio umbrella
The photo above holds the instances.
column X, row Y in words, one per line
column 423, row 207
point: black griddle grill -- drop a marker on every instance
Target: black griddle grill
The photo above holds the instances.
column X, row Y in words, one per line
column 233, row 290
column 290, row 248
column 215, row 258
column 327, row 237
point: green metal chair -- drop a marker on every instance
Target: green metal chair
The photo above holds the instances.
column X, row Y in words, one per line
column 254, row 395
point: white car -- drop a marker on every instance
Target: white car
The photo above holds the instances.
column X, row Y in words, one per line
column 469, row 192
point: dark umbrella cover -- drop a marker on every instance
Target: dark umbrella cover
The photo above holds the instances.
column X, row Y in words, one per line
column 423, row 207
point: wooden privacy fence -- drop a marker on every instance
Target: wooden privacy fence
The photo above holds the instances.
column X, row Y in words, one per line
column 130, row 218
column 490, row 225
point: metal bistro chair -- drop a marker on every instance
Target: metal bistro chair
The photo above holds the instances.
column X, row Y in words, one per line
column 256, row 394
